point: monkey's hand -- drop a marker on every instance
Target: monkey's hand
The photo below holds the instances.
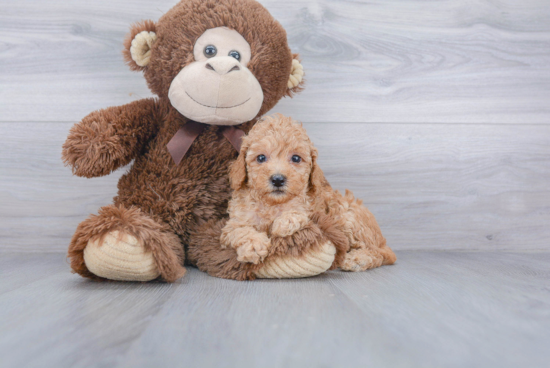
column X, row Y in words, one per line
column 288, row 223
column 108, row 139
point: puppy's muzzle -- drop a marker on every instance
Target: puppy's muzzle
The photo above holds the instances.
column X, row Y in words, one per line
column 278, row 180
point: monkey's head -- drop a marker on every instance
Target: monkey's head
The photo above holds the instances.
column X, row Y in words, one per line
column 220, row 62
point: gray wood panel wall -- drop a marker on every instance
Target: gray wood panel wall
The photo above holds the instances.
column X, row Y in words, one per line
column 437, row 114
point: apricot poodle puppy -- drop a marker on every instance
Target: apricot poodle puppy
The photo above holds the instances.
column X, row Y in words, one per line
column 279, row 189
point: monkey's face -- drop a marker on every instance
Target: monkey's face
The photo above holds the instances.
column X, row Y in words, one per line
column 217, row 62
column 217, row 88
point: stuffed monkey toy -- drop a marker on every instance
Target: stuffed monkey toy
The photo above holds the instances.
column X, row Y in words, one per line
column 215, row 66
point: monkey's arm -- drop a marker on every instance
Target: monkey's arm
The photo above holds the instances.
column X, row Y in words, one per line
column 110, row 138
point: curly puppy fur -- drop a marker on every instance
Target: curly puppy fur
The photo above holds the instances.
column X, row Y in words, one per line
column 259, row 210
column 172, row 201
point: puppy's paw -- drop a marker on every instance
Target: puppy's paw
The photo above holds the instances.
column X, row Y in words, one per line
column 253, row 248
column 361, row 260
column 287, row 225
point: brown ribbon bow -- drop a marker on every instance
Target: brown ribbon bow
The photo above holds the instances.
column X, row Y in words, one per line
column 186, row 135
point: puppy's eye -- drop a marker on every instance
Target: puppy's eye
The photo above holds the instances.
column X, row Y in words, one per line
column 210, row 51
column 235, row 54
column 296, row 159
column 261, row 158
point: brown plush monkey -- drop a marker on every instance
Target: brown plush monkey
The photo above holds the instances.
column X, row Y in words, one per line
column 214, row 65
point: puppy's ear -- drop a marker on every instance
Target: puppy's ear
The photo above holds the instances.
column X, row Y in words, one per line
column 316, row 178
column 237, row 171
column 138, row 44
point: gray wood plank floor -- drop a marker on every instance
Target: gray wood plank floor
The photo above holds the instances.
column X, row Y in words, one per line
column 431, row 309
column 431, row 186
column 479, row 61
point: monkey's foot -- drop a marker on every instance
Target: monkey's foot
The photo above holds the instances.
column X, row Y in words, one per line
column 120, row 256
column 310, row 264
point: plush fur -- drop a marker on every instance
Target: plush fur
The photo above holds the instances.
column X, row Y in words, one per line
column 259, row 210
column 156, row 237
column 181, row 26
column 159, row 203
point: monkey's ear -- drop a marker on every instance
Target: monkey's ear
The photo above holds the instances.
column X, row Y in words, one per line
column 296, row 78
column 317, row 179
column 138, row 44
column 237, row 171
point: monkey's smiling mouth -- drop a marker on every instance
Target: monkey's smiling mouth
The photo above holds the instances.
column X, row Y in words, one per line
column 217, row 107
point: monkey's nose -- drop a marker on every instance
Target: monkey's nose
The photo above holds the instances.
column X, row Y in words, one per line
column 278, row 180
column 223, row 65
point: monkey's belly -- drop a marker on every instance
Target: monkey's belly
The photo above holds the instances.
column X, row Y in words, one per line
column 288, row 267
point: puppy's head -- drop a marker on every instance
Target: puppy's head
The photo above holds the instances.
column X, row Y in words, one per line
column 277, row 161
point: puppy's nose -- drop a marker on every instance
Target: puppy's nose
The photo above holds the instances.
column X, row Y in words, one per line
column 278, row 180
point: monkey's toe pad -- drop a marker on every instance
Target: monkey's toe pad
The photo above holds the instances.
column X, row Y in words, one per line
column 288, row 267
column 120, row 256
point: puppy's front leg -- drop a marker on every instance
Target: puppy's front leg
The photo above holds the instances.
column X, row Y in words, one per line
column 251, row 245
column 288, row 223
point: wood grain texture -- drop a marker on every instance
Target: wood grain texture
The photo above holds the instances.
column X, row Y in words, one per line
column 432, row 309
column 20, row 269
column 476, row 61
column 431, row 186
column 72, row 324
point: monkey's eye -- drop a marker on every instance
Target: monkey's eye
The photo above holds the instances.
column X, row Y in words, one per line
column 296, row 159
column 235, row 54
column 261, row 159
column 210, row 51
